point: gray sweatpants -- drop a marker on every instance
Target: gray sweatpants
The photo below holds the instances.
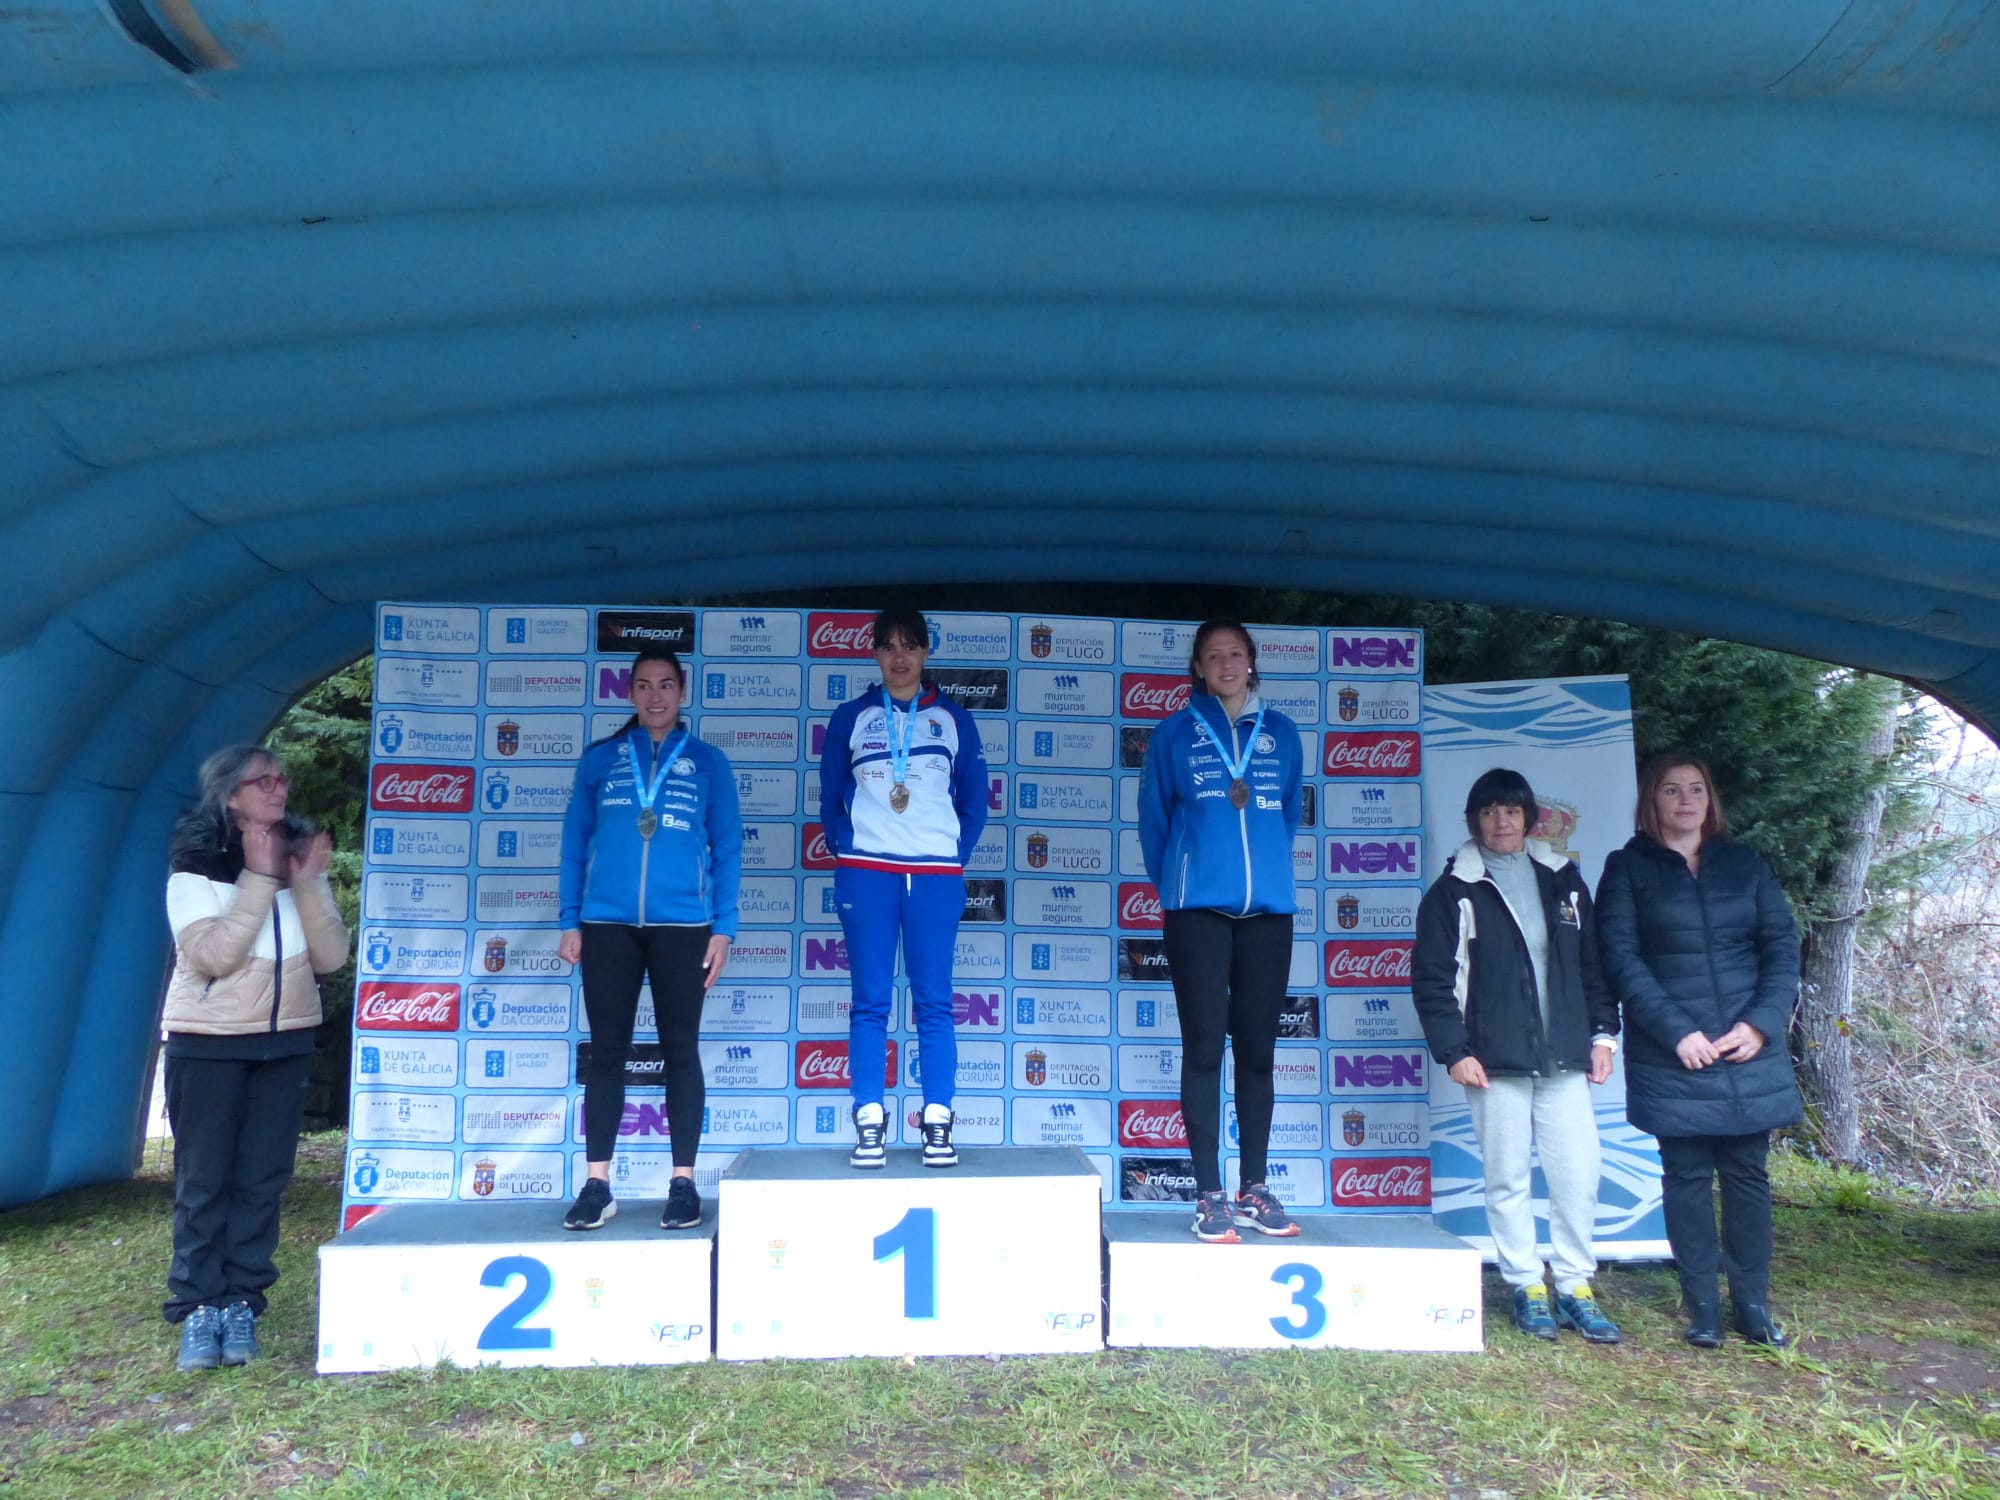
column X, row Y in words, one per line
column 1554, row 1118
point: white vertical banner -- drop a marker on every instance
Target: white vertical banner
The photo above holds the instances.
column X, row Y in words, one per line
column 1571, row 738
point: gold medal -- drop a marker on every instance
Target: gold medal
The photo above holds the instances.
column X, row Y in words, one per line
column 649, row 823
column 899, row 797
column 1239, row 793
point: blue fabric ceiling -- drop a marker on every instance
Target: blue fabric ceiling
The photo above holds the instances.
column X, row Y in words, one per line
column 1681, row 314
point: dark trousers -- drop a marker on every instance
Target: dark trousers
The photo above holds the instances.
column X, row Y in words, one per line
column 616, row 957
column 1229, row 981
column 236, row 1135
column 1689, row 1169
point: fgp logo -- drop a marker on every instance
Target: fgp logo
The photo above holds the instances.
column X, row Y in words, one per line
column 677, row 1333
column 1069, row 1322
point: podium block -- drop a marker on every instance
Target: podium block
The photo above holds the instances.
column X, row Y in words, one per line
column 1345, row 1282
column 998, row 1255
column 508, row 1285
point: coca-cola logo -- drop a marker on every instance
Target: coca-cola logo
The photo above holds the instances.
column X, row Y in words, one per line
column 818, row 856
column 1139, row 906
column 384, row 1006
column 1352, row 964
column 842, row 634
column 1364, row 752
column 421, row 787
column 1155, row 1124
column 823, row 1065
column 1152, row 695
column 1382, row 1182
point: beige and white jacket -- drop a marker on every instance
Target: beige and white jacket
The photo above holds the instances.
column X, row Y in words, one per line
column 245, row 953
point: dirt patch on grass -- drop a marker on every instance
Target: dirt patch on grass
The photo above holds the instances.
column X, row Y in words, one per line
column 1927, row 1367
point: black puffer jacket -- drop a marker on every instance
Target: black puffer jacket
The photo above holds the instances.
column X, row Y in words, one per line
column 1474, row 983
column 1689, row 955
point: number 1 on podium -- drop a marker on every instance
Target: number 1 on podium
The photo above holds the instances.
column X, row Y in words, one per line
column 914, row 1237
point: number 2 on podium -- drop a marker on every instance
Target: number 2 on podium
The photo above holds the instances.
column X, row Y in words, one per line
column 914, row 1237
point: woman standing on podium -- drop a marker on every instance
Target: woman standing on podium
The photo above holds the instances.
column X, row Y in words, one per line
column 651, row 857
column 903, row 791
column 1219, row 800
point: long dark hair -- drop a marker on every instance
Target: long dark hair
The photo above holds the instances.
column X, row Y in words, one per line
column 208, row 828
column 659, row 654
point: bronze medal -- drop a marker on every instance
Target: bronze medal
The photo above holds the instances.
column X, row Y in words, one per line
column 1239, row 793
column 899, row 797
column 649, row 823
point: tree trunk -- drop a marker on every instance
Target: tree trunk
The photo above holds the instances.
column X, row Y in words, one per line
column 1827, row 968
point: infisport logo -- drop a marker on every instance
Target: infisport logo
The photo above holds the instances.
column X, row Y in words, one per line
column 414, row 787
column 1152, row 695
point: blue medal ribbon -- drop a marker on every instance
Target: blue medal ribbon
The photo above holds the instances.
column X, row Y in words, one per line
column 899, row 753
column 662, row 767
column 1241, row 764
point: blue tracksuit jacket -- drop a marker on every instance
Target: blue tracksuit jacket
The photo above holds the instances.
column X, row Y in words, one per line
column 1200, row 851
column 687, row 874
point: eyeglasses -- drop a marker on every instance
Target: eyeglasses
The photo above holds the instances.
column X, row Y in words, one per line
column 271, row 781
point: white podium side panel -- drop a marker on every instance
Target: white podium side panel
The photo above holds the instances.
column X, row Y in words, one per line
column 467, row 1285
column 1344, row 1282
column 822, row 1261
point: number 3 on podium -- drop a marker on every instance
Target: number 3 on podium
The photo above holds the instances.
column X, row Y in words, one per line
column 914, row 1237
column 1311, row 1312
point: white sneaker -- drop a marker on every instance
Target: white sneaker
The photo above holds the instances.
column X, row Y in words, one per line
column 871, row 1128
column 936, row 1127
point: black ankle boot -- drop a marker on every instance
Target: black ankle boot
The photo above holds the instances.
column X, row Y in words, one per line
column 1754, row 1322
column 1704, row 1327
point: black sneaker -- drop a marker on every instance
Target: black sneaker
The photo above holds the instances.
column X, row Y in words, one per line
column 594, row 1206
column 1258, row 1208
column 938, row 1150
column 239, row 1334
column 869, row 1135
column 1213, row 1220
column 683, row 1210
column 201, row 1339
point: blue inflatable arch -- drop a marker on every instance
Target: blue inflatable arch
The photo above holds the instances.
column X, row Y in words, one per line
column 1685, row 314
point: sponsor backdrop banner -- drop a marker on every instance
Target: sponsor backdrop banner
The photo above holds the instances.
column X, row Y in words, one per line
column 1572, row 739
column 469, row 1027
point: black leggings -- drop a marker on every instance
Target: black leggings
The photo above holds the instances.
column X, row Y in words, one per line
column 1229, row 980
column 615, row 958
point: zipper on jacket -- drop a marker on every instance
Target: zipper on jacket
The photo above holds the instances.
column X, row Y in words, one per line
column 1714, row 978
column 278, row 972
column 1527, row 961
column 1184, row 868
column 645, row 857
column 1243, row 822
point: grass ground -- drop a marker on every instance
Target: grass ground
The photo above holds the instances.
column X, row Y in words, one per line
column 1893, row 1390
